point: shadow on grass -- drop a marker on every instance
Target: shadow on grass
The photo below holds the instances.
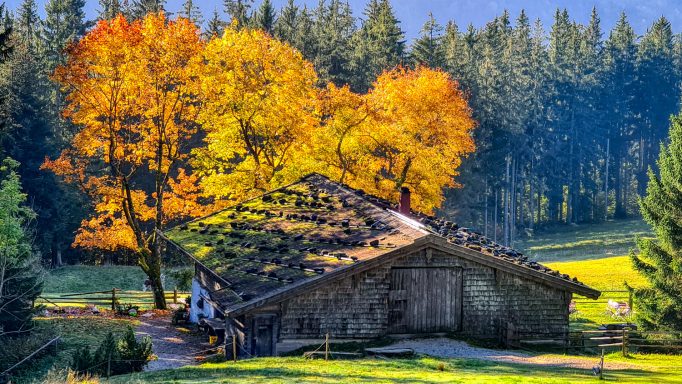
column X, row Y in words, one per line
column 418, row 370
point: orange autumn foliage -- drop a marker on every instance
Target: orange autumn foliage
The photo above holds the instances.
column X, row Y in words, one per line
column 131, row 93
column 411, row 130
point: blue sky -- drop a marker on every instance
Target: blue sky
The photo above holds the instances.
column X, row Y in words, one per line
column 413, row 13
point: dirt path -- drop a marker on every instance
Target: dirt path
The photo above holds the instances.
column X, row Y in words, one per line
column 448, row 348
column 175, row 347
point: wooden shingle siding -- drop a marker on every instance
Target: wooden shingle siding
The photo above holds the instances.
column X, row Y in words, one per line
column 358, row 306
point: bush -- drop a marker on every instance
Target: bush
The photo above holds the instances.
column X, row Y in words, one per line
column 114, row 356
column 134, row 354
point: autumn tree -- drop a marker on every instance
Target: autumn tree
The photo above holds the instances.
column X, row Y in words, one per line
column 342, row 144
column 258, row 100
column 411, row 130
column 129, row 90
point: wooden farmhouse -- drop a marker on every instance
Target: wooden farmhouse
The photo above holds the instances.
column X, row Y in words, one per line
column 319, row 258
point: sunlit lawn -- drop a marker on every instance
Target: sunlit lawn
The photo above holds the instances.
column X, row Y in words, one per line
column 582, row 242
column 419, row 370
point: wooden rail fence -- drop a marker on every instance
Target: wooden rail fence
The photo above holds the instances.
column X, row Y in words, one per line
column 625, row 340
column 109, row 298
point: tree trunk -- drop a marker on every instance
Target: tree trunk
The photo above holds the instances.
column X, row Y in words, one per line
column 150, row 261
column 159, row 295
column 58, row 257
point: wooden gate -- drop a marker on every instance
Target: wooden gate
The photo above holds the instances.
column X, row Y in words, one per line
column 423, row 300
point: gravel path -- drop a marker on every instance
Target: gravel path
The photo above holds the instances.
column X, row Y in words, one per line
column 448, row 348
column 173, row 346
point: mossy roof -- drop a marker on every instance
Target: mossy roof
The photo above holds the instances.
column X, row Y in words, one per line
column 310, row 228
column 291, row 234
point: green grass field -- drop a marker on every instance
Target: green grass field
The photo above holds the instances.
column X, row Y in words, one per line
column 585, row 242
column 87, row 278
column 419, row 370
column 597, row 256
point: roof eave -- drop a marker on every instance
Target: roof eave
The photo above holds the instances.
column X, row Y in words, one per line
column 520, row 270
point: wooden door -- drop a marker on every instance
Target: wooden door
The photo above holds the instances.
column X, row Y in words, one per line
column 424, row 300
column 264, row 334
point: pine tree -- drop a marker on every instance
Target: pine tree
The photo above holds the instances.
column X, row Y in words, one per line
column 5, row 33
column 140, row 8
column 109, row 9
column 190, row 10
column 660, row 306
column 36, row 133
column 655, row 71
column 64, row 23
column 215, row 26
column 264, row 17
column 27, row 24
column 620, row 54
column 286, row 25
column 239, row 11
column 379, row 44
column 428, row 48
column 333, row 28
column 20, row 274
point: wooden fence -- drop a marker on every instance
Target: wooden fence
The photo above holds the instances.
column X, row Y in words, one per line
column 109, row 298
column 625, row 340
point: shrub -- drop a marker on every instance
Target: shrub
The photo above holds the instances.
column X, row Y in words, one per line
column 83, row 361
column 114, row 356
column 134, row 354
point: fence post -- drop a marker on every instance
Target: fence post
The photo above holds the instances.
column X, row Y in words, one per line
column 630, row 300
column 601, row 365
column 175, row 295
column 326, row 346
column 625, row 342
column 113, row 299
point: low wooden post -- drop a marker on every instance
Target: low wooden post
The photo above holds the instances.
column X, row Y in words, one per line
column 234, row 348
column 625, row 342
column 601, row 365
column 326, row 346
column 175, row 295
column 630, row 300
column 113, row 299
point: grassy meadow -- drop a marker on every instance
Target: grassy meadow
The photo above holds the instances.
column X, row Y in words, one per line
column 418, row 370
column 598, row 256
column 585, row 242
column 87, row 278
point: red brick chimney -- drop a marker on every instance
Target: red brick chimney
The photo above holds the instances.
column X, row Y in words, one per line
column 404, row 206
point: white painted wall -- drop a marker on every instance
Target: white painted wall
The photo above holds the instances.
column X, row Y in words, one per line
column 197, row 292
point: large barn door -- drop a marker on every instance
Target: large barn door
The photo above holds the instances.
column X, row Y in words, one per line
column 423, row 300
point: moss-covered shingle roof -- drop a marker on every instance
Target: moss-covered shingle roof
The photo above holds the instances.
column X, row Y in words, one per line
column 291, row 234
column 315, row 226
